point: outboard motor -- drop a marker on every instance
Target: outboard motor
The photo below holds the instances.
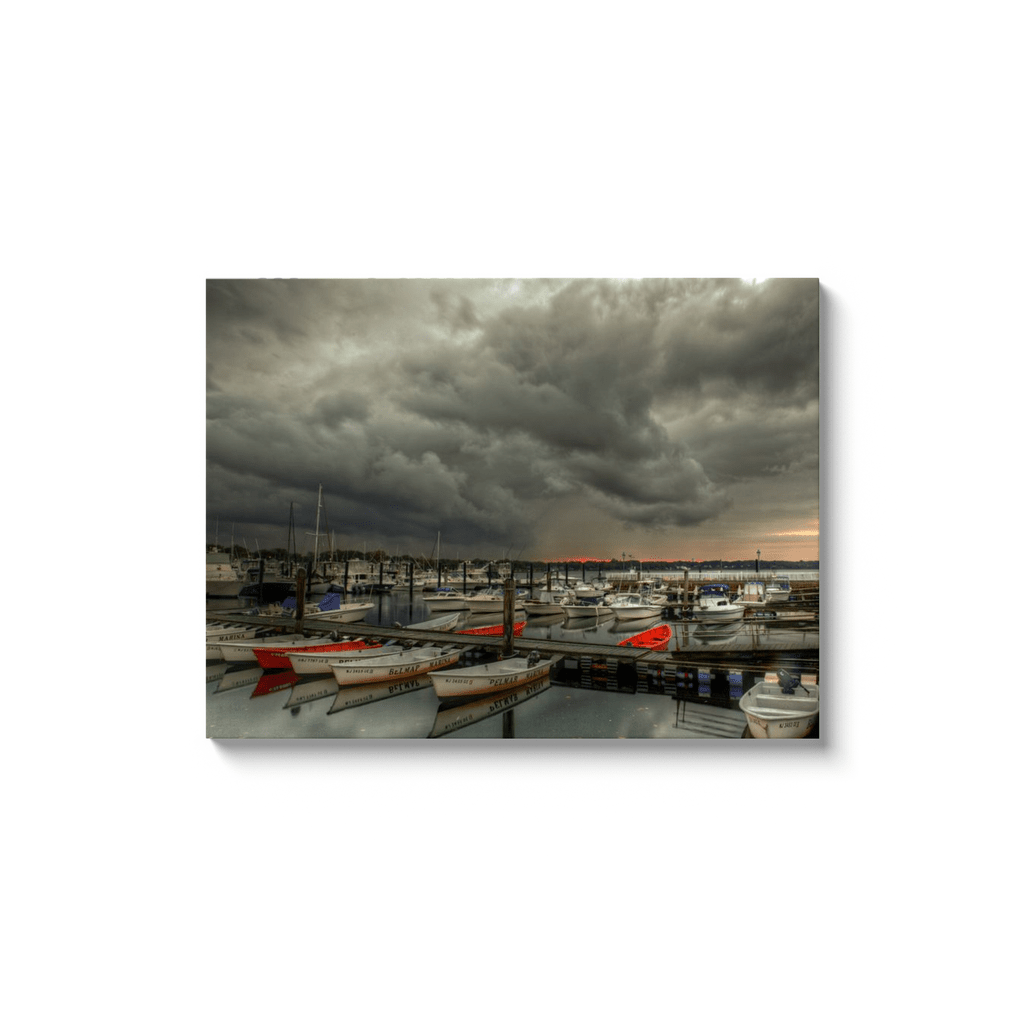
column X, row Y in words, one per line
column 789, row 683
column 533, row 659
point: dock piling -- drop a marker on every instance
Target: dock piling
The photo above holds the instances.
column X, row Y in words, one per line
column 510, row 614
column 300, row 596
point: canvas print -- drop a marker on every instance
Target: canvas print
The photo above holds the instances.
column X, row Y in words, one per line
column 513, row 509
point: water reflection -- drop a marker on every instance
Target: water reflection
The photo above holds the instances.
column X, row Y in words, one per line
column 354, row 696
column 234, row 678
column 708, row 634
column 583, row 698
column 452, row 716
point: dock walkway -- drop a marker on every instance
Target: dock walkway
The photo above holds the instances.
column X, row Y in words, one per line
column 808, row 647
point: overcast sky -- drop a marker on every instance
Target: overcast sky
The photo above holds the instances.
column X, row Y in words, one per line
column 541, row 418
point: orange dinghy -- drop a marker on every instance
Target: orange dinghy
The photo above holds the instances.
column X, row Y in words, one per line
column 517, row 630
column 654, row 639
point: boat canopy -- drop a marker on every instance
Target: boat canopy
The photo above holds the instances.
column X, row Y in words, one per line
column 331, row 603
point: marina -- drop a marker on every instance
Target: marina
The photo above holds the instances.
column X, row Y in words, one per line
column 594, row 683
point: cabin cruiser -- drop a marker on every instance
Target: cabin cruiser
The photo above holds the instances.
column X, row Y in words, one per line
column 714, row 604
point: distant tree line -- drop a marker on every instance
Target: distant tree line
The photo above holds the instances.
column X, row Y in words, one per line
column 604, row 565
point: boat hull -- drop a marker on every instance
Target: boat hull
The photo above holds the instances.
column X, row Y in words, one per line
column 774, row 715
column 245, row 650
column 484, row 679
column 448, row 603
column 214, row 640
column 586, row 611
column 655, row 639
column 346, row 613
column 389, row 670
column 272, row 657
column 726, row 613
column 497, row 630
column 637, row 612
column 315, row 663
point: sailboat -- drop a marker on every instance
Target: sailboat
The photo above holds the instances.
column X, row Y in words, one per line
column 318, row 582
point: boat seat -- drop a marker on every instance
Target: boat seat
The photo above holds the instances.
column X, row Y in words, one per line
column 784, row 703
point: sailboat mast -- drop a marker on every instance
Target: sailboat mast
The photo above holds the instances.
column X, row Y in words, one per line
column 316, row 539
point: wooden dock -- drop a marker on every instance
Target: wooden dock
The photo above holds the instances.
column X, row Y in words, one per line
column 764, row 655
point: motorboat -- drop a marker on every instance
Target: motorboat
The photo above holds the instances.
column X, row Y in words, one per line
column 714, row 604
column 442, row 624
column 446, row 600
column 588, row 590
column 585, row 608
column 781, row 706
column 404, row 665
column 491, row 599
column 496, row 675
column 778, row 589
column 546, row 601
column 752, row 594
column 634, row 606
column 222, row 579
column 331, row 609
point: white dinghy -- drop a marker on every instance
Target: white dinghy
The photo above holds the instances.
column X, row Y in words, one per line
column 404, row 665
column 780, row 706
column 316, row 663
column 496, row 675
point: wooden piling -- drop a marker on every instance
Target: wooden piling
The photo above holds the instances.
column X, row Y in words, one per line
column 300, row 596
column 510, row 615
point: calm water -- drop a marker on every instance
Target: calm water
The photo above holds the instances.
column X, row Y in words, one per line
column 577, row 702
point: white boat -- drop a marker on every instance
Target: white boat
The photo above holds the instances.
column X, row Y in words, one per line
column 778, row 589
column 317, row 663
column 714, row 604
column 405, row 665
column 330, row 609
column 244, row 650
column 226, row 634
column 445, row 600
column 584, row 608
column 752, row 594
column 222, row 579
column 547, row 600
column 634, row 606
column 442, row 624
column 780, row 706
column 491, row 599
column 344, row 613
column 277, row 655
column 496, row 675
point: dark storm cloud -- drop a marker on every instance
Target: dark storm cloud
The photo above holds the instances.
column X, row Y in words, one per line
column 732, row 340
column 467, row 404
